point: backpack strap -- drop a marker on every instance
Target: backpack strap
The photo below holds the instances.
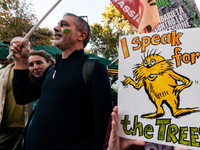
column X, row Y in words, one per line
column 52, row 65
column 88, row 68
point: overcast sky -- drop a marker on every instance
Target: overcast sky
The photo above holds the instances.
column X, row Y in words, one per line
column 90, row 8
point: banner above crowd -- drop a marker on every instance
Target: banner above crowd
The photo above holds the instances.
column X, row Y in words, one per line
column 177, row 14
column 142, row 14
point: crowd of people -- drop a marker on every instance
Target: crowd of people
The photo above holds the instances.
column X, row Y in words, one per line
column 70, row 115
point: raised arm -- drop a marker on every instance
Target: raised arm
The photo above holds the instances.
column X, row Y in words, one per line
column 24, row 90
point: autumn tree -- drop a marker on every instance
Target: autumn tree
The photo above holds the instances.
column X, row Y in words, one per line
column 6, row 3
column 42, row 36
column 114, row 24
column 16, row 17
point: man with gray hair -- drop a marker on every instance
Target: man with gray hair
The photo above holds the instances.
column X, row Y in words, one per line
column 70, row 114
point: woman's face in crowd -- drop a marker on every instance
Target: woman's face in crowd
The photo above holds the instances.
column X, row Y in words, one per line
column 37, row 65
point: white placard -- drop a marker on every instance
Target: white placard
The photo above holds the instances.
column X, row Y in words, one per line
column 159, row 86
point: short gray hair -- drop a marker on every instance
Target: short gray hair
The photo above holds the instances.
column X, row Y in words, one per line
column 81, row 25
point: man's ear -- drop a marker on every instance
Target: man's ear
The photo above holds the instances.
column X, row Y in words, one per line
column 82, row 36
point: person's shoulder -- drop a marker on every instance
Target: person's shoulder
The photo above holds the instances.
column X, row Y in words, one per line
column 89, row 60
column 10, row 65
column 50, row 66
column 1, row 70
column 99, row 63
column 48, row 69
column 100, row 67
column 7, row 68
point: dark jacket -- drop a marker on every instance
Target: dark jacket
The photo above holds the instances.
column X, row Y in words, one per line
column 69, row 116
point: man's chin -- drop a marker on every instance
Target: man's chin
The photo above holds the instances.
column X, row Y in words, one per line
column 60, row 47
column 56, row 43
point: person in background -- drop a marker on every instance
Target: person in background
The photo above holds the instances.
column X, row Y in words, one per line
column 12, row 116
column 38, row 62
column 7, row 62
column 70, row 115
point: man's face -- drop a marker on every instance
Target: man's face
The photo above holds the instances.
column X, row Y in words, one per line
column 37, row 65
column 62, row 40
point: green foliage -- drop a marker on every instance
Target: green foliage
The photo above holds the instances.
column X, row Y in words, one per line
column 42, row 36
column 16, row 17
column 114, row 24
column 6, row 4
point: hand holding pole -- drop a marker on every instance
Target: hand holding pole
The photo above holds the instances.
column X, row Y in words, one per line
column 35, row 26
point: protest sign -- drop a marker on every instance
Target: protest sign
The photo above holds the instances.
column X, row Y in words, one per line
column 177, row 14
column 159, row 86
column 142, row 14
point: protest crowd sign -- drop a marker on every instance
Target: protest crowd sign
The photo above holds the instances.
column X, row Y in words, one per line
column 158, row 87
column 177, row 14
column 158, row 78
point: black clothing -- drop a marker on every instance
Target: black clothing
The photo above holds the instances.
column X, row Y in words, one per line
column 69, row 116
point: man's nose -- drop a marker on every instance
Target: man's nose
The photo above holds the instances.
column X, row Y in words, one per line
column 35, row 66
column 57, row 28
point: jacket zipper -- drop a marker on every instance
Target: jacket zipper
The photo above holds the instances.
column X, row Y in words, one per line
column 54, row 74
